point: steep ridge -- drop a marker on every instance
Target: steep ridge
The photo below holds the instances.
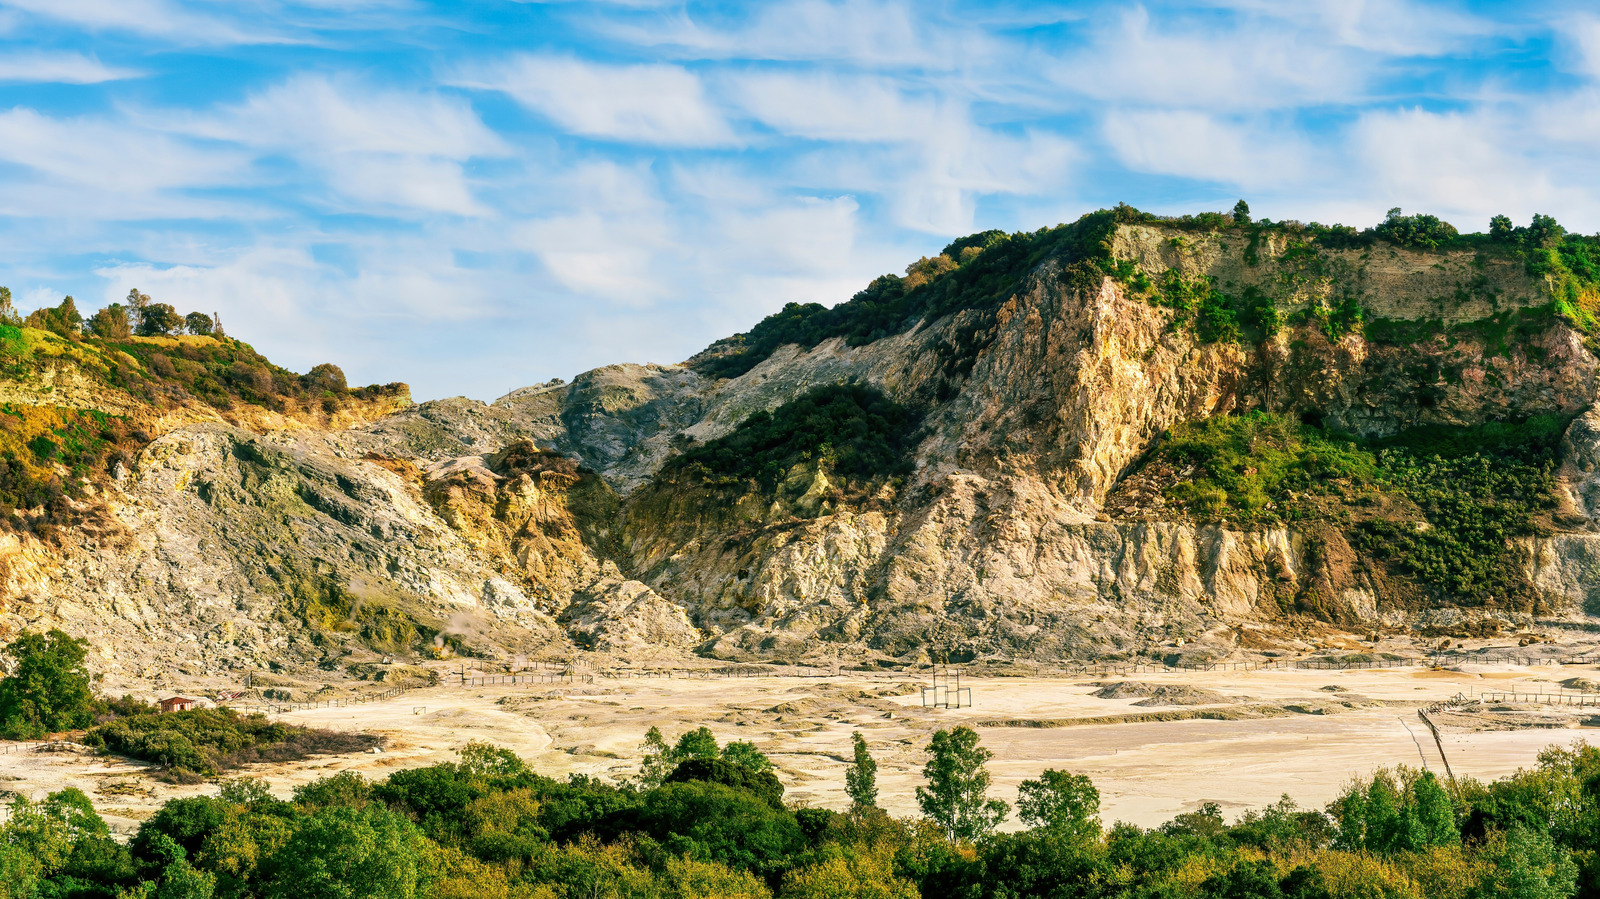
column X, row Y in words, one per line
column 1124, row 435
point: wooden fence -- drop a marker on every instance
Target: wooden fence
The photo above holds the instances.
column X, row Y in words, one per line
column 277, row 707
column 554, row 675
column 1576, row 698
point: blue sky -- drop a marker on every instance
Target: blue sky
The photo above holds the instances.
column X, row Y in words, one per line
column 474, row 196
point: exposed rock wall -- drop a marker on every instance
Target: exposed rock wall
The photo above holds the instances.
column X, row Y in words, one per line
column 539, row 522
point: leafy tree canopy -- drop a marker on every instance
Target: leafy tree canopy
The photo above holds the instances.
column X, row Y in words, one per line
column 49, row 688
column 956, row 797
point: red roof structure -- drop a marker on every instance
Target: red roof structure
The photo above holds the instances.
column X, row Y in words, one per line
column 178, row 704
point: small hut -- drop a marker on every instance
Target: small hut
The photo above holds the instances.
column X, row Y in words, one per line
column 178, row 704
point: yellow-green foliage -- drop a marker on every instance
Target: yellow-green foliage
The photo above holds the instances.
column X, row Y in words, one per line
column 220, row 372
column 1246, row 466
column 49, row 454
column 865, row 871
column 385, row 623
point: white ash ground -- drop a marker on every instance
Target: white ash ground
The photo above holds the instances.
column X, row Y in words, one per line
column 1304, row 733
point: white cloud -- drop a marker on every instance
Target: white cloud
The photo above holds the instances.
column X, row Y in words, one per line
column 829, row 108
column 1470, row 165
column 654, row 104
column 37, row 298
column 1192, row 144
column 381, row 147
column 314, row 114
column 616, row 242
column 59, row 68
column 109, row 156
column 395, row 302
column 1389, row 27
column 151, row 17
column 410, row 182
column 1584, row 33
column 1258, row 67
column 935, row 160
column 1569, row 123
column 860, row 32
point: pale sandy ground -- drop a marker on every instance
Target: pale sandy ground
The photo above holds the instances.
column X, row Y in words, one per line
column 1146, row 771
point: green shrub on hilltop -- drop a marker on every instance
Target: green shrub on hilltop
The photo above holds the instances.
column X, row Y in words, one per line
column 975, row 272
column 157, row 354
column 1422, row 231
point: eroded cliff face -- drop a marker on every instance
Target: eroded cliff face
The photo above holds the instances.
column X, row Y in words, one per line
column 542, row 523
column 1002, row 543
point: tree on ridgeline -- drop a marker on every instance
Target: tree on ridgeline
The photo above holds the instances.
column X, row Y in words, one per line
column 110, row 323
column 8, row 312
column 135, row 304
column 326, row 377
column 158, row 320
column 63, row 319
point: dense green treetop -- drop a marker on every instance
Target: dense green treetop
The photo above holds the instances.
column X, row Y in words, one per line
column 48, row 687
column 488, row 827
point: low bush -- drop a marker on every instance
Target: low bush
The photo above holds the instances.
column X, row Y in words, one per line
column 210, row 741
column 1246, row 467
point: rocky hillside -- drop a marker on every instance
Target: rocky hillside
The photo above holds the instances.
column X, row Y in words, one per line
column 1121, row 436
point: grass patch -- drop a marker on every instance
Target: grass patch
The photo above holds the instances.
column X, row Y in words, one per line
column 333, row 613
column 208, row 742
column 1249, row 467
column 1499, row 334
column 49, row 456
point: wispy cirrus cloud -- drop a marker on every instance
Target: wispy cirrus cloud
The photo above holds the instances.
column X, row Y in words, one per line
column 104, row 154
column 824, row 107
column 157, row 18
column 403, row 149
column 1139, row 58
column 869, row 33
column 653, row 104
column 1191, row 144
column 1390, row 28
column 59, row 68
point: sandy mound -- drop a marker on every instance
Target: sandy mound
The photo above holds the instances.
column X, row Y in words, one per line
column 1160, row 694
